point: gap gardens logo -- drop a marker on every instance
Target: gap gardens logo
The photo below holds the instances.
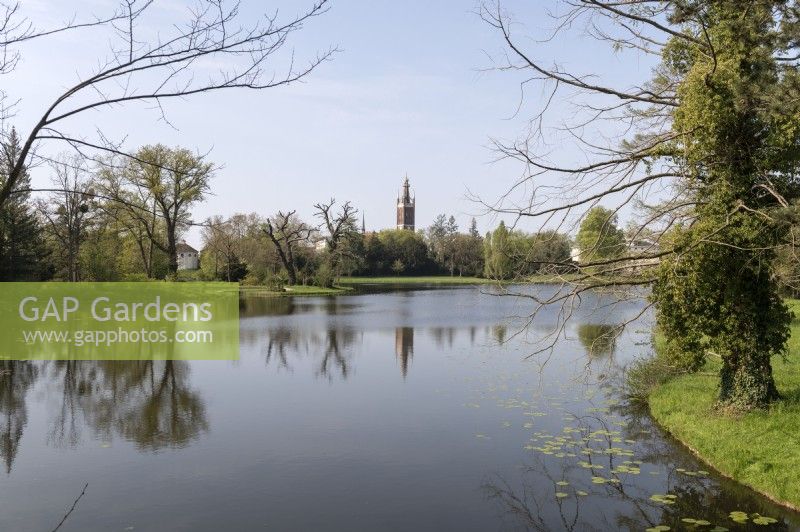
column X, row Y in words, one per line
column 119, row 321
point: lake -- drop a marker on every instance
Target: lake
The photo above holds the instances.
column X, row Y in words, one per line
column 393, row 410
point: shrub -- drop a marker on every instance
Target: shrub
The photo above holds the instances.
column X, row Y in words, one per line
column 643, row 375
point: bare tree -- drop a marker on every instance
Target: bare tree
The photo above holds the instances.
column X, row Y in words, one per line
column 636, row 169
column 68, row 211
column 154, row 69
column 341, row 228
column 286, row 232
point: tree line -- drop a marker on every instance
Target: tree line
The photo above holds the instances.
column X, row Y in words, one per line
column 122, row 218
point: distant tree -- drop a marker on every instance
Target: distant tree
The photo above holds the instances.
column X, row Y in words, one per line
column 376, row 260
column 287, row 232
column 174, row 179
column 599, row 237
column 498, row 259
column 223, row 241
column 398, row 268
column 136, row 211
column 69, row 211
column 473, row 229
column 546, row 251
column 23, row 253
column 468, row 254
column 407, row 248
column 100, row 251
column 442, row 241
column 341, row 232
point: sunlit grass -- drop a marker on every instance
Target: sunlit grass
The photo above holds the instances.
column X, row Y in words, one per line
column 759, row 449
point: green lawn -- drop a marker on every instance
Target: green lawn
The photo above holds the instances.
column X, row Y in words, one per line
column 759, row 449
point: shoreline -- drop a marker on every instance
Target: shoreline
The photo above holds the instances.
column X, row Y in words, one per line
column 758, row 450
column 710, row 465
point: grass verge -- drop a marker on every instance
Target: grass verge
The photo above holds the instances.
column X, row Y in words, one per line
column 298, row 290
column 758, row 449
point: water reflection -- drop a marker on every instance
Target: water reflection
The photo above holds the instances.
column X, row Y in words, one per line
column 599, row 340
column 423, row 401
column 16, row 378
column 404, row 346
column 660, row 488
column 150, row 403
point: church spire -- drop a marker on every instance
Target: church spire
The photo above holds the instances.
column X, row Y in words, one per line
column 406, row 196
column 405, row 207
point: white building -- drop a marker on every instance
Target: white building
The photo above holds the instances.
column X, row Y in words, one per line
column 188, row 257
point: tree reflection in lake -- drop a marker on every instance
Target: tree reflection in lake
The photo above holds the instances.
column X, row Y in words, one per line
column 150, row 403
column 331, row 347
column 599, row 340
column 16, row 378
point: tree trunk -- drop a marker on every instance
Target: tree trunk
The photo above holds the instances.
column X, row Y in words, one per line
column 746, row 381
column 172, row 250
column 290, row 269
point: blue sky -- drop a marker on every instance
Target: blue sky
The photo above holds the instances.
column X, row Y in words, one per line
column 407, row 93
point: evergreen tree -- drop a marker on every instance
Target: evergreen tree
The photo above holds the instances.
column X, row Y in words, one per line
column 23, row 252
column 473, row 229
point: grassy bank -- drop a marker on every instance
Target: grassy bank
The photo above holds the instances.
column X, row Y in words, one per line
column 758, row 449
column 295, row 291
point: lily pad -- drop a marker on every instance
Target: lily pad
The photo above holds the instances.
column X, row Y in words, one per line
column 763, row 520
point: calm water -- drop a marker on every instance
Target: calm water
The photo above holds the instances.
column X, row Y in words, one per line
column 413, row 410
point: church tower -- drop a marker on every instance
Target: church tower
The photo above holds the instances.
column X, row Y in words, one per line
column 405, row 207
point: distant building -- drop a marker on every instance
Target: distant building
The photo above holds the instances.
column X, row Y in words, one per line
column 188, row 257
column 405, row 207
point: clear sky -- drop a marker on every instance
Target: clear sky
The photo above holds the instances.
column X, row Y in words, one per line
column 407, row 94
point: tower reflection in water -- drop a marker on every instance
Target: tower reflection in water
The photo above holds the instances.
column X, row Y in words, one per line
column 404, row 347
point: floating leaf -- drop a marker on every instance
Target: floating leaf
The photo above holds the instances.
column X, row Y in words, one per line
column 739, row 517
column 658, row 528
column 762, row 520
column 562, row 483
column 561, row 494
column 663, row 499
